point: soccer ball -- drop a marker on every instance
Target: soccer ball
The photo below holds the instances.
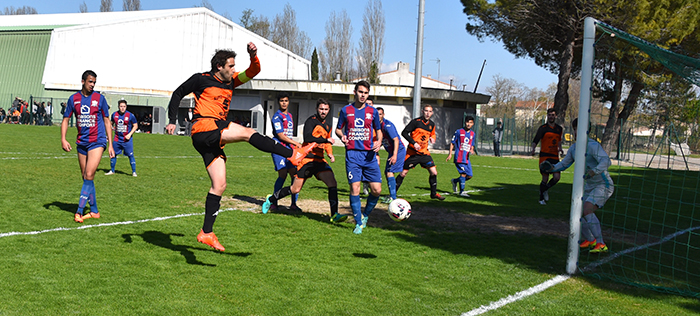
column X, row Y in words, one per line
column 399, row 210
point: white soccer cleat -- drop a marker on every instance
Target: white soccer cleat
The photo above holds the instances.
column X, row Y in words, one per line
column 546, row 196
column 109, row 173
column 134, row 174
column 542, row 202
column 464, row 194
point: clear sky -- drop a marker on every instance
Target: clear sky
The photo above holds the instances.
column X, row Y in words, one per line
column 445, row 38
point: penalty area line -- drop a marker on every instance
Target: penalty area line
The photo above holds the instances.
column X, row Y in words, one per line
column 518, row 296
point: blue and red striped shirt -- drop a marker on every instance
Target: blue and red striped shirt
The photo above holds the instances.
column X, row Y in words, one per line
column 90, row 113
column 389, row 132
column 123, row 124
column 463, row 141
column 283, row 123
column 359, row 126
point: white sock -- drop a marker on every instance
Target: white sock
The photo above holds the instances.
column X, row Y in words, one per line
column 586, row 230
column 594, row 225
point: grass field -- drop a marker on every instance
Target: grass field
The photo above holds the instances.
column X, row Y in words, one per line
column 449, row 258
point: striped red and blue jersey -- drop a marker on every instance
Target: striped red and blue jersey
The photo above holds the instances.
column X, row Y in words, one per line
column 463, row 141
column 389, row 132
column 359, row 126
column 283, row 123
column 123, row 124
column 90, row 113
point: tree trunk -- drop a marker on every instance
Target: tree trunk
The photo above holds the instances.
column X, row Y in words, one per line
column 609, row 139
column 561, row 98
column 613, row 126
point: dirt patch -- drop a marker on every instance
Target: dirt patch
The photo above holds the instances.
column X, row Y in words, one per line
column 437, row 218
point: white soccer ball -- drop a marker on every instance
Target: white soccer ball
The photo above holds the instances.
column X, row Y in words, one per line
column 399, row 210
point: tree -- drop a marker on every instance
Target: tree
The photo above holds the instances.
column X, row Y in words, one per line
column 206, row 4
column 105, row 5
column 314, row 65
column 505, row 94
column 373, row 76
column 336, row 53
column 132, row 5
column 19, row 11
column 83, row 7
column 286, row 33
column 259, row 25
column 371, row 47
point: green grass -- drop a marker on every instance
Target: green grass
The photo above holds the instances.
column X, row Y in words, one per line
column 276, row 264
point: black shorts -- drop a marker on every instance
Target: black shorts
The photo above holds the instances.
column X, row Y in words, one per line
column 208, row 144
column 425, row 161
column 312, row 168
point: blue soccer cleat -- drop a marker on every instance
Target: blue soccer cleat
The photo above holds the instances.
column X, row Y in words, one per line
column 364, row 221
column 358, row 229
column 266, row 205
column 337, row 218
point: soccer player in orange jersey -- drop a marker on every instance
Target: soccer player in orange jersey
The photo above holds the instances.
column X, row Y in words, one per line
column 211, row 131
column 550, row 135
column 419, row 133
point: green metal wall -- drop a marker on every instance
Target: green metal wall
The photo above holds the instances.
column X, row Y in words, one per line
column 22, row 59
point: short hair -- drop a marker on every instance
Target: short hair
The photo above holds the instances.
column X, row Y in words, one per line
column 574, row 124
column 321, row 101
column 469, row 118
column 282, row 95
column 499, row 122
column 89, row 73
column 220, row 58
column 370, row 99
column 551, row 110
column 379, row 108
column 427, row 106
column 121, row 101
column 362, row 83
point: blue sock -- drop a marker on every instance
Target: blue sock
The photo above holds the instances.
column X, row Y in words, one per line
column 356, row 206
column 371, row 203
column 113, row 163
column 462, row 182
column 84, row 195
column 391, row 181
column 92, row 198
column 132, row 160
column 279, row 183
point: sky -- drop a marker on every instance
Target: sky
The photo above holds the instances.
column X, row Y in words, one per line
column 461, row 55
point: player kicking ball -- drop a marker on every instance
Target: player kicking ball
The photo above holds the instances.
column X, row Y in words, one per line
column 211, row 131
column 598, row 188
column 317, row 130
column 462, row 145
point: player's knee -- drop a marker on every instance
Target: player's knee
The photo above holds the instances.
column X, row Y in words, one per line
column 219, row 188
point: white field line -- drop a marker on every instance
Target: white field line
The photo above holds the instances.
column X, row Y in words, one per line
column 139, row 157
column 561, row 278
column 446, row 193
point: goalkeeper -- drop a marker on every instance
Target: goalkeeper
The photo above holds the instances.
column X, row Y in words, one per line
column 598, row 187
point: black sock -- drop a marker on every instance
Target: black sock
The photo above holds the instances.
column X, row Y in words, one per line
column 280, row 194
column 269, row 145
column 543, row 187
column 432, row 180
column 399, row 180
column 551, row 183
column 333, row 199
column 211, row 208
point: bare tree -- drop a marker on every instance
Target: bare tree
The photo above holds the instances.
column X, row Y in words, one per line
column 206, row 4
column 505, row 93
column 336, row 53
column 19, row 11
column 286, row 33
column 83, row 7
column 105, row 5
column 371, row 46
column 259, row 25
column 132, row 5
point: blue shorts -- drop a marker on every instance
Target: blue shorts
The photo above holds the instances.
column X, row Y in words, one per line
column 84, row 148
column 361, row 165
column 126, row 147
column 398, row 166
column 464, row 168
column 282, row 163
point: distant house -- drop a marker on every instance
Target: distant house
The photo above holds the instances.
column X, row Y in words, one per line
column 531, row 109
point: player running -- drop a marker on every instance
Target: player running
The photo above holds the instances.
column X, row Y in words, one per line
column 598, row 188
column 419, row 133
column 211, row 131
column 317, row 129
column 283, row 124
column 463, row 145
column 94, row 134
column 397, row 153
column 550, row 135
column 124, row 123
column 357, row 125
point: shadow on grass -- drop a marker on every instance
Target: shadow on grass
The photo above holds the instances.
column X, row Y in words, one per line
column 68, row 207
column 364, row 255
column 165, row 241
column 105, row 170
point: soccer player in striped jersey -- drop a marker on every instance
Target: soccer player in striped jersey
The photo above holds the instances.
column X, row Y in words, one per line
column 124, row 124
column 317, row 129
column 211, row 131
column 419, row 133
column 94, row 134
column 463, row 145
column 397, row 153
column 598, row 188
column 357, row 125
column 550, row 135
column 283, row 125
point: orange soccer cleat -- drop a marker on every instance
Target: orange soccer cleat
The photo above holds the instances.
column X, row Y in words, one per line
column 210, row 240
column 91, row 215
column 587, row 244
column 300, row 152
column 78, row 218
